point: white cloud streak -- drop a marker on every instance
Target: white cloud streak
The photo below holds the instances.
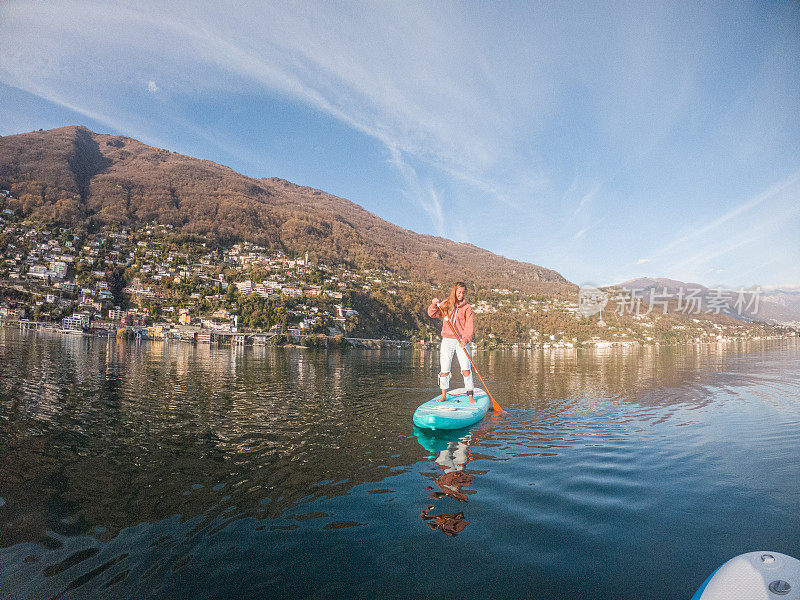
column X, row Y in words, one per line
column 773, row 193
column 420, row 78
column 464, row 98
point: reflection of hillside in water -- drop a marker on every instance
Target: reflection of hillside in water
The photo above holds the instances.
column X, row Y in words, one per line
column 643, row 375
column 560, row 398
column 117, row 434
column 97, row 432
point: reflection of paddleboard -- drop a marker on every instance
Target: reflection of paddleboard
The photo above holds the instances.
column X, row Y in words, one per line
column 754, row 576
column 455, row 412
column 435, row 442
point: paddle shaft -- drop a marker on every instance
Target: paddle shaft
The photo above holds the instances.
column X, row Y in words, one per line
column 495, row 405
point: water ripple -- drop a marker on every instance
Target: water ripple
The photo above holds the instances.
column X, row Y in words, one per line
column 158, row 470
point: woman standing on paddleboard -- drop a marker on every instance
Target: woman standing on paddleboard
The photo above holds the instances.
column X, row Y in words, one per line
column 459, row 313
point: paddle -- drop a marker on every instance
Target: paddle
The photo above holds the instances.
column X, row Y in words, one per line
column 495, row 405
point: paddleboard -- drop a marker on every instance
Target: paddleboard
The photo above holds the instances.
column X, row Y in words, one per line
column 754, row 576
column 455, row 412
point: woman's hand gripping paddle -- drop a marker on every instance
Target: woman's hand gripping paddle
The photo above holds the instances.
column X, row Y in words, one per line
column 495, row 405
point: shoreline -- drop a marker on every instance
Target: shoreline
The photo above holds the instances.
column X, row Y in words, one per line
column 370, row 344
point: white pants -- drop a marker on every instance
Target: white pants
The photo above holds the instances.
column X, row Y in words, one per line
column 450, row 346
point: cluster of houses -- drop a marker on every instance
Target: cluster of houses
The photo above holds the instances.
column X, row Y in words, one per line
column 68, row 273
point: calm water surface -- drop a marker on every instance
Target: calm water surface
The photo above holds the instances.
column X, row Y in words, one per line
column 164, row 470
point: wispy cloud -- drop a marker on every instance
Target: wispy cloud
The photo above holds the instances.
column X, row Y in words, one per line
column 424, row 195
column 423, row 79
column 582, row 211
column 394, row 74
column 775, row 192
column 433, row 207
column 746, row 247
column 699, row 261
column 500, row 108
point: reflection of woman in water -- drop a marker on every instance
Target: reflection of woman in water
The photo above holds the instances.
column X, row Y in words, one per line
column 452, row 461
column 455, row 456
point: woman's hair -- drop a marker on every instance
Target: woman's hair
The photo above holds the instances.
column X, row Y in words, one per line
column 451, row 301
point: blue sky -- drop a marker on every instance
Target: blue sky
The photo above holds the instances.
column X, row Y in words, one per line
column 604, row 140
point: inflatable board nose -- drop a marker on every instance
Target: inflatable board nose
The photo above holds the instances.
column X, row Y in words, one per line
column 767, row 575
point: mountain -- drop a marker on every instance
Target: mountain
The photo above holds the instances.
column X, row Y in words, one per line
column 788, row 297
column 73, row 175
column 770, row 306
column 648, row 283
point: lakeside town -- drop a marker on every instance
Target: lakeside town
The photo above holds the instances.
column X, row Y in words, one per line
column 158, row 283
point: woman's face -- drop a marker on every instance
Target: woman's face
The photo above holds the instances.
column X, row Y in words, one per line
column 461, row 293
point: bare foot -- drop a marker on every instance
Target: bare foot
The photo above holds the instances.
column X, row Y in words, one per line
column 471, row 398
column 444, row 396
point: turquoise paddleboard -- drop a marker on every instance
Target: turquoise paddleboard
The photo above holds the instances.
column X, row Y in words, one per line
column 455, row 412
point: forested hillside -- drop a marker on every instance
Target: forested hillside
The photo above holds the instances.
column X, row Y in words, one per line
column 75, row 176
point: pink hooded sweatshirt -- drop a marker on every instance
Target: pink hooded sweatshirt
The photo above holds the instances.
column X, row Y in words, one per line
column 461, row 320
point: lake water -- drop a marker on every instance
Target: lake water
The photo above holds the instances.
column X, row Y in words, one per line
column 168, row 470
